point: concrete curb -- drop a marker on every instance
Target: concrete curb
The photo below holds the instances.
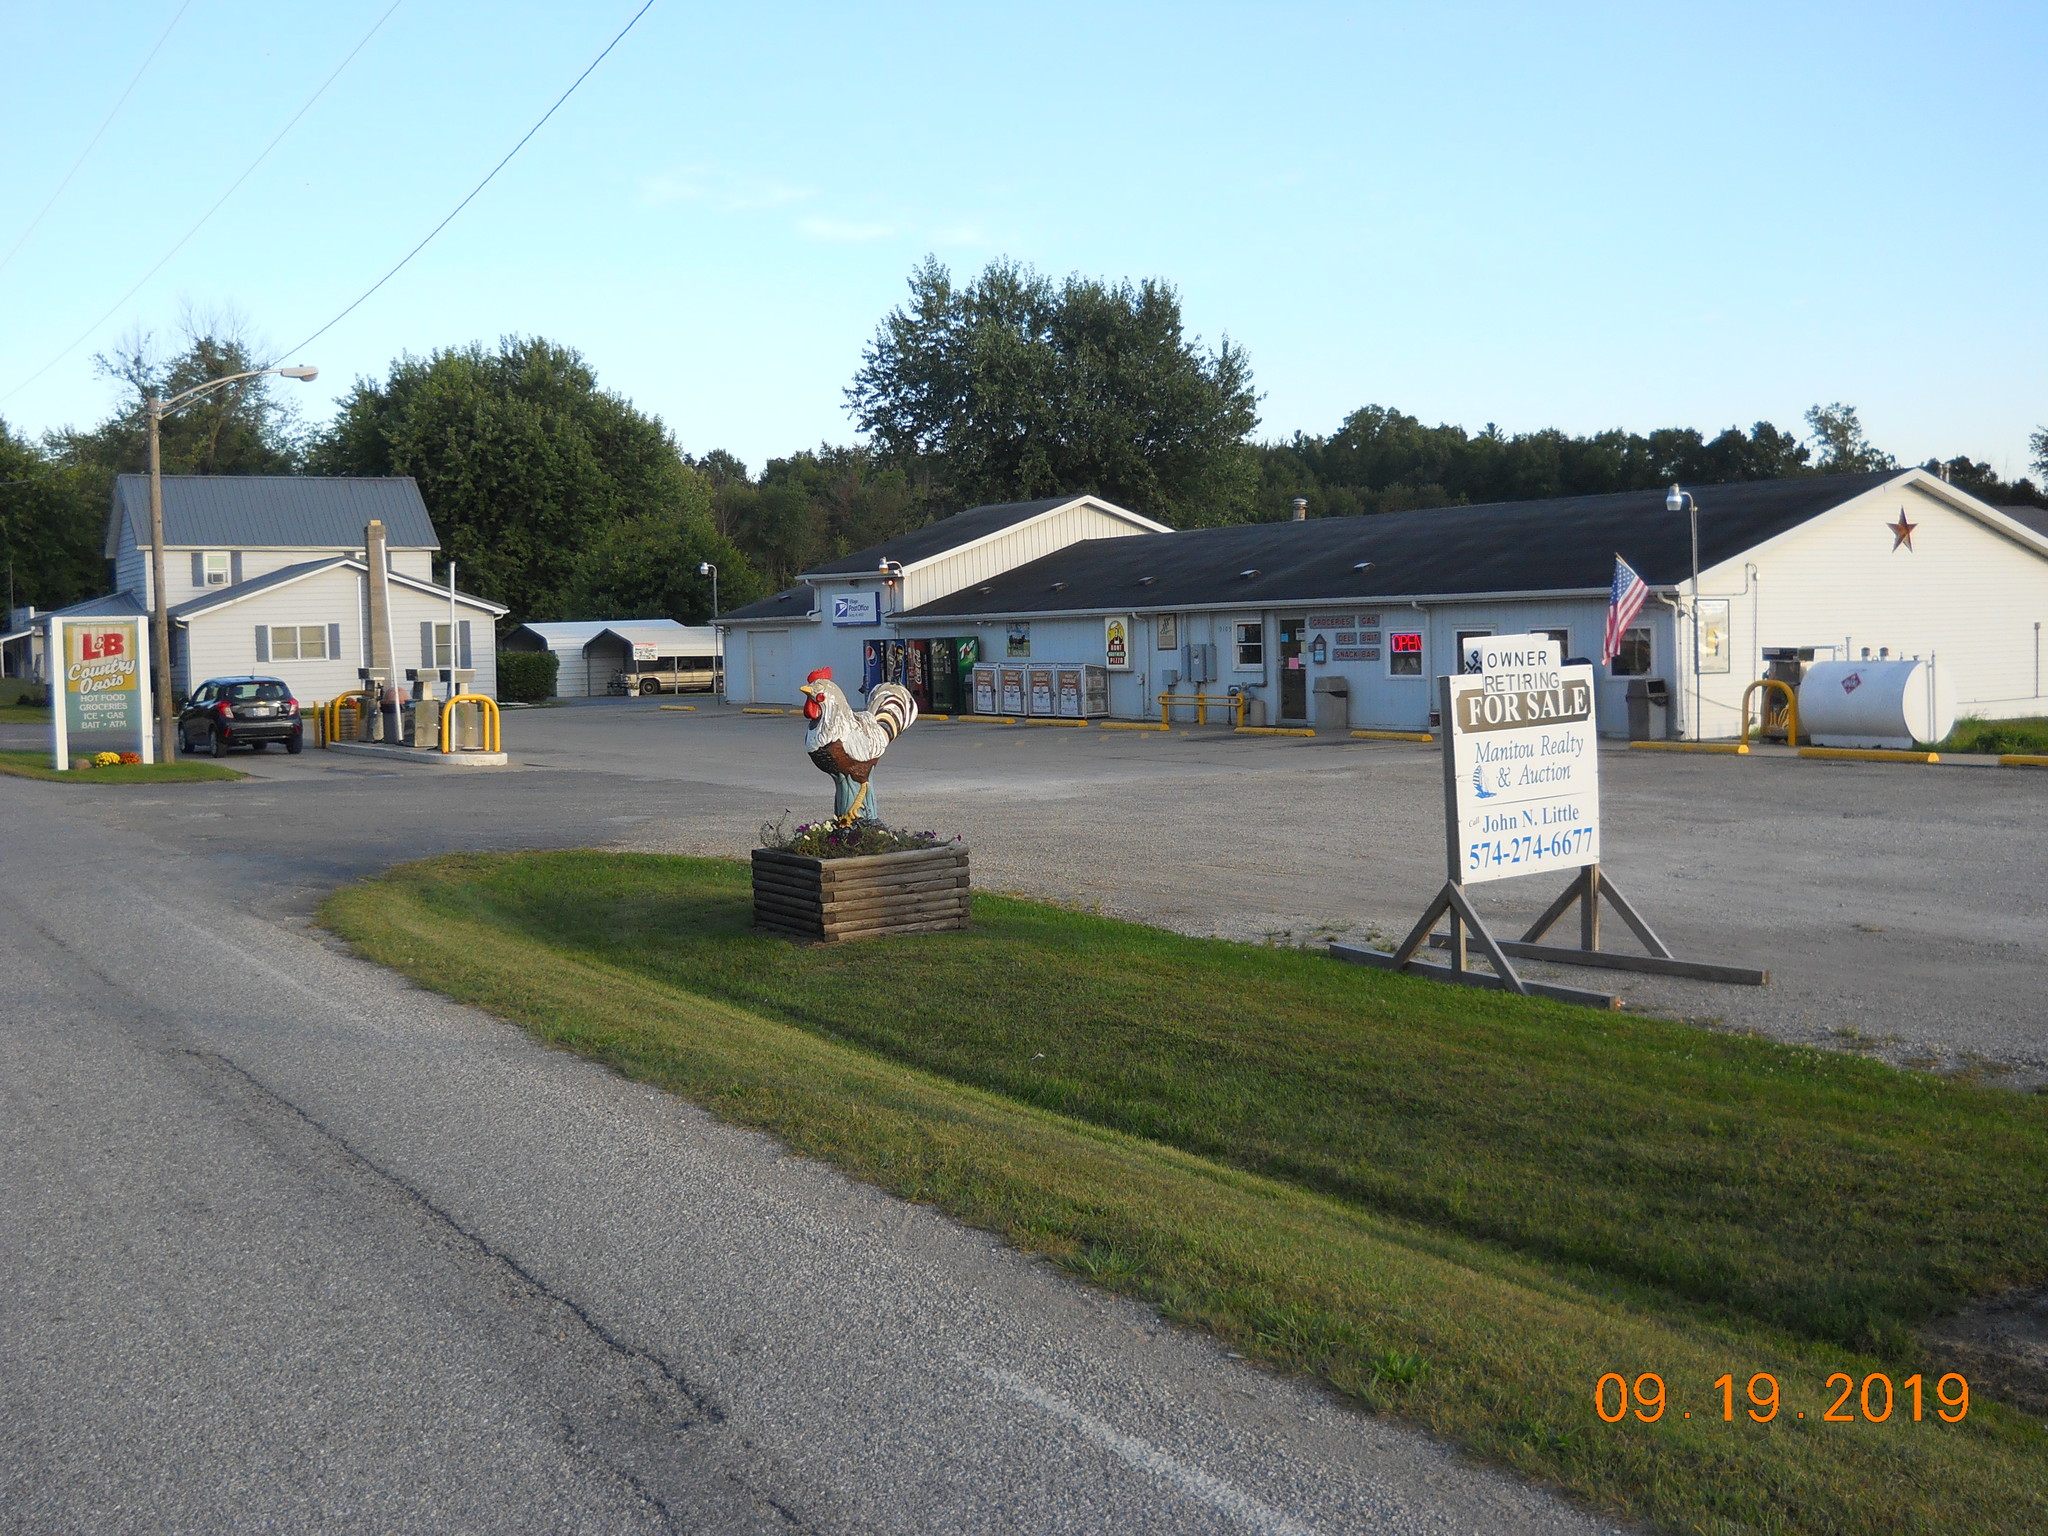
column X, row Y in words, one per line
column 427, row 758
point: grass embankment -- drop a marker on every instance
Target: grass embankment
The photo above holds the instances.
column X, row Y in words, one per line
column 1458, row 1206
column 36, row 765
column 2027, row 736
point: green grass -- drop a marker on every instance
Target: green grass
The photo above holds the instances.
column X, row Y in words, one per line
column 1456, row 1205
column 36, row 765
column 2029, row 736
column 24, row 714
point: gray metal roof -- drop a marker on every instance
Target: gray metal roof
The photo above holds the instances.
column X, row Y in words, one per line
column 947, row 533
column 1565, row 544
column 681, row 639
column 272, row 512
column 579, row 631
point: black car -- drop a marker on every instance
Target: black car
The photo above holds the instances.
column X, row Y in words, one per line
column 248, row 712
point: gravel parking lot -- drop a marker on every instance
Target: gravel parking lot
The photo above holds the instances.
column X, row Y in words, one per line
column 1897, row 907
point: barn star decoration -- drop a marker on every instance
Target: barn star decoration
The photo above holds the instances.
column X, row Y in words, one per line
column 1902, row 532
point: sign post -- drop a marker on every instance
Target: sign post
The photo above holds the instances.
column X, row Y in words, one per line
column 102, row 683
column 1521, row 767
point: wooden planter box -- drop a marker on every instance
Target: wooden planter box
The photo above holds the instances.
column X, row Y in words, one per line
column 921, row 891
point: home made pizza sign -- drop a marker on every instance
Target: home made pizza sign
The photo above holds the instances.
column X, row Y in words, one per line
column 1521, row 761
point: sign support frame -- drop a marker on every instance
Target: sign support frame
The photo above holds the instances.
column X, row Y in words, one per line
column 1588, row 888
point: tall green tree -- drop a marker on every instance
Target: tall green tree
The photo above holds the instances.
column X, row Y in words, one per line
column 51, row 519
column 524, row 462
column 1843, row 448
column 249, row 428
column 647, row 568
column 1014, row 387
column 2038, row 445
column 1383, row 460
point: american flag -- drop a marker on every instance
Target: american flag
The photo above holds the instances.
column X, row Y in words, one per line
column 1624, row 602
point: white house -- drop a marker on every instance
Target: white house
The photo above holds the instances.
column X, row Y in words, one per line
column 1346, row 620
column 268, row 574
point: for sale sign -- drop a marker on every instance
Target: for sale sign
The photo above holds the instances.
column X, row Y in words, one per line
column 1521, row 762
column 103, row 680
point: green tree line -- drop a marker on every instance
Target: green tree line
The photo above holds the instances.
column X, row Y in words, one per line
column 563, row 500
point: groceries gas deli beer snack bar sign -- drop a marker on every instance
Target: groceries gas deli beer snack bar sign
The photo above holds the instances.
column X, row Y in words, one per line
column 105, row 682
column 1522, row 784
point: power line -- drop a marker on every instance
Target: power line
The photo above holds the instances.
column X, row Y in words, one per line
column 473, row 191
column 97, row 134
column 200, row 223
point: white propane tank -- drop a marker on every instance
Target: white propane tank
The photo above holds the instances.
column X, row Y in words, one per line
column 1875, row 704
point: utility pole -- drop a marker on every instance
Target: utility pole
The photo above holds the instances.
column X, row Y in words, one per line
column 156, row 408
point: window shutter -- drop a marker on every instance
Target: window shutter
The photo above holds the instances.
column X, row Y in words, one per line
column 263, row 642
column 334, row 642
column 426, row 643
column 465, row 662
column 198, row 569
column 235, row 568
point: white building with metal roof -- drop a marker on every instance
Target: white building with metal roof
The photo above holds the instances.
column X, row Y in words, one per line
column 590, row 653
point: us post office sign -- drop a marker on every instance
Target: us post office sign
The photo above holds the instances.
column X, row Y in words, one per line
column 1521, row 762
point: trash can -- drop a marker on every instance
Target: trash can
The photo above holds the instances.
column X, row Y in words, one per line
column 1332, row 698
column 1649, row 709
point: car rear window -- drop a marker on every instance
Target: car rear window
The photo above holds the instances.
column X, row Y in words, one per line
column 256, row 693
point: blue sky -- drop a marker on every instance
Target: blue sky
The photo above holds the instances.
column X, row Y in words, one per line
column 1574, row 215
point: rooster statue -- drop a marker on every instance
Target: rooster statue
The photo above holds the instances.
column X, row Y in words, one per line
column 847, row 742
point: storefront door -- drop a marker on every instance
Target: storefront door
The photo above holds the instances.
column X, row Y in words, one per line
column 1293, row 669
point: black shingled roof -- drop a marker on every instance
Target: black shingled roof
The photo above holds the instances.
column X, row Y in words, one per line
column 792, row 604
column 936, row 538
column 1566, row 544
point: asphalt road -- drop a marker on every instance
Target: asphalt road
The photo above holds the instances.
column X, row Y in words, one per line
column 291, row 1245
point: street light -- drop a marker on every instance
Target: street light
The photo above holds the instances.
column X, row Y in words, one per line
column 706, row 568
column 157, row 409
column 1677, row 500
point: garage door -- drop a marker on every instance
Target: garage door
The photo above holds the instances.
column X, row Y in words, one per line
column 768, row 661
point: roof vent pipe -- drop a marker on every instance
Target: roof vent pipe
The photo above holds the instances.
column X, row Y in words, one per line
column 1300, row 509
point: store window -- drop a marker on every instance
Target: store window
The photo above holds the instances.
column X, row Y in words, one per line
column 1563, row 637
column 1633, row 659
column 1251, row 646
column 1404, row 654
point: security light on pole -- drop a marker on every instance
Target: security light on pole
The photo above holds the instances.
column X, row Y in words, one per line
column 1677, row 500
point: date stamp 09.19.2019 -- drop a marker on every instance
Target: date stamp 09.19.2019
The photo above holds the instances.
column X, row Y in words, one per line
column 1874, row 1401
